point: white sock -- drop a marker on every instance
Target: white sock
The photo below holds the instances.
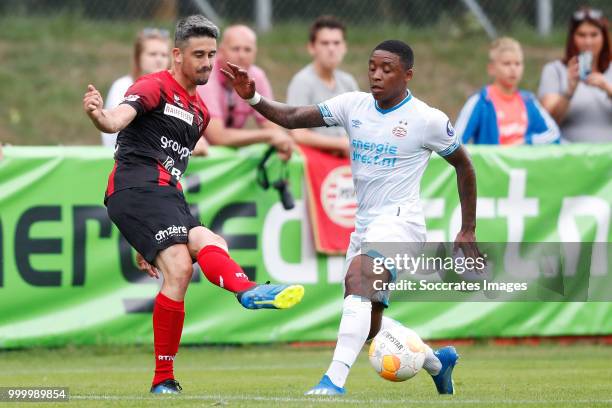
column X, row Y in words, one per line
column 352, row 335
column 337, row 372
column 431, row 364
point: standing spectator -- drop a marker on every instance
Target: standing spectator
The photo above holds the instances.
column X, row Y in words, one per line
column 581, row 107
column 322, row 80
column 229, row 112
column 501, row 113
column 151, row 54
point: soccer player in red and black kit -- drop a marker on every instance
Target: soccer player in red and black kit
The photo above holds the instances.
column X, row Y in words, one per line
column 159, row 122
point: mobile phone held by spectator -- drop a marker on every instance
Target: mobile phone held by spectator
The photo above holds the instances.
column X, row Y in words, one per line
column 585, row 61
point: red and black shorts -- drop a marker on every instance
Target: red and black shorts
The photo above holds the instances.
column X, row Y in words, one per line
column 151, row 218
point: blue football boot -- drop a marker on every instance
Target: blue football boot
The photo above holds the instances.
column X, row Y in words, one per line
column 326, row 387
column 444, row 380
column 268, row 296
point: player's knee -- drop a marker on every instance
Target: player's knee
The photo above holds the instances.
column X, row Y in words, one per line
column 218, row 240
column 353, row 285
column 200, row 237
column 176, row 265
column 179, row 275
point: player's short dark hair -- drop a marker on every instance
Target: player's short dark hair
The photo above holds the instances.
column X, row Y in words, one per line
column 325, row 22
column 194, row 26
column 399, row 48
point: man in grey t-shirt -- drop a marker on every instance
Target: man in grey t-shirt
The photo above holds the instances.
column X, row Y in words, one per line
column 321, row 80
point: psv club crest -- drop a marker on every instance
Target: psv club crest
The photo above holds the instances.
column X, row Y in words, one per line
column 400, row 130
column 338, row 197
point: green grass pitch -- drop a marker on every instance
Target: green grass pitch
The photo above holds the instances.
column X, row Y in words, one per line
column 548, row 375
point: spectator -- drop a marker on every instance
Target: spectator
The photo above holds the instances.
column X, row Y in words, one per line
column 581, row 107
column 322, row 80
column 228, row 111
column 501, row 113
column 151, row 54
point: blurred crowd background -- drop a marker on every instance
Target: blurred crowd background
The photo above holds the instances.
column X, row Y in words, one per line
column 51, row 49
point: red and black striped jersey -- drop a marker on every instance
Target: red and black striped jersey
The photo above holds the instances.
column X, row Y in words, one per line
column 155, row 147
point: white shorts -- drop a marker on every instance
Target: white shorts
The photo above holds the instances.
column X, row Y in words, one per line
column 396, row 224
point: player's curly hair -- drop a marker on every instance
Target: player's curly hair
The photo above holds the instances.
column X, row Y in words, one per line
column 194, row 26
column 399, row 48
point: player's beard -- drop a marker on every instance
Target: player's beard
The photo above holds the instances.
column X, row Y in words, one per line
column 199, row 80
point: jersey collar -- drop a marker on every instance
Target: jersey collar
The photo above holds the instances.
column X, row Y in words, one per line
column 391, row 109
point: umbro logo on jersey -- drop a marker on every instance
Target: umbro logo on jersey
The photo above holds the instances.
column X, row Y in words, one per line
column 178, row 113
column 356, row 123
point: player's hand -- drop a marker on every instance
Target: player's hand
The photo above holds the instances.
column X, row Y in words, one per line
column 282, row 142
column 92, row 101
column 240, row 80
column 144, row 266
column 466, row 241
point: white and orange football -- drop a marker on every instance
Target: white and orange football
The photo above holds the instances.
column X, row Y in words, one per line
column 397, row 354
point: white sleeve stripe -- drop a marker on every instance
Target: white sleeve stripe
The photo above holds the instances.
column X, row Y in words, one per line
column 326, row 114
column 547, row 136
column 550, row 135
column 450, row 149
column 465, row 114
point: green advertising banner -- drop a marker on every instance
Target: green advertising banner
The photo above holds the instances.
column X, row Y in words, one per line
column 68, row 277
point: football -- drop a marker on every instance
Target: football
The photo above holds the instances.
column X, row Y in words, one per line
column 397, row 354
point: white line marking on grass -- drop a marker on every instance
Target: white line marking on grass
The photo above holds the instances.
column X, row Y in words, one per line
column 96, row 371
column 333, row 400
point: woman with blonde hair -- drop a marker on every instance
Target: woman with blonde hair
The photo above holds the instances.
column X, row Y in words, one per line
column 151, row 54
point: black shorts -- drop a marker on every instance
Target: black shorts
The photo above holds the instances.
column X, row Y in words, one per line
column 151, row 218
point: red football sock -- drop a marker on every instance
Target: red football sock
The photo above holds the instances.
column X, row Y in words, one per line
column 221, row 270
column 168, row 317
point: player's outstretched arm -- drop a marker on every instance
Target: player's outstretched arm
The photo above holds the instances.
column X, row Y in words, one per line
column 466, row 184
column 106, row 120
column 289, row 117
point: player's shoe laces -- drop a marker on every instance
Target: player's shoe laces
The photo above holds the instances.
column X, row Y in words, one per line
column 167, row 387
column 444, row 380
column 326, row 387
column 269, row 296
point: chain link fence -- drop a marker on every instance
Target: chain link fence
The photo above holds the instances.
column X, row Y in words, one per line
column 51, row 49
column 502, row 15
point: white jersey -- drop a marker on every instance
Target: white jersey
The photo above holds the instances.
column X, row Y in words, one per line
column 390, row 149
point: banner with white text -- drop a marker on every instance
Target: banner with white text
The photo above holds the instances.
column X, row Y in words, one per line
column 67, row 276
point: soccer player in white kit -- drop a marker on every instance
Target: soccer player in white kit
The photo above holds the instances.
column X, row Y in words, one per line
column 392, row 136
